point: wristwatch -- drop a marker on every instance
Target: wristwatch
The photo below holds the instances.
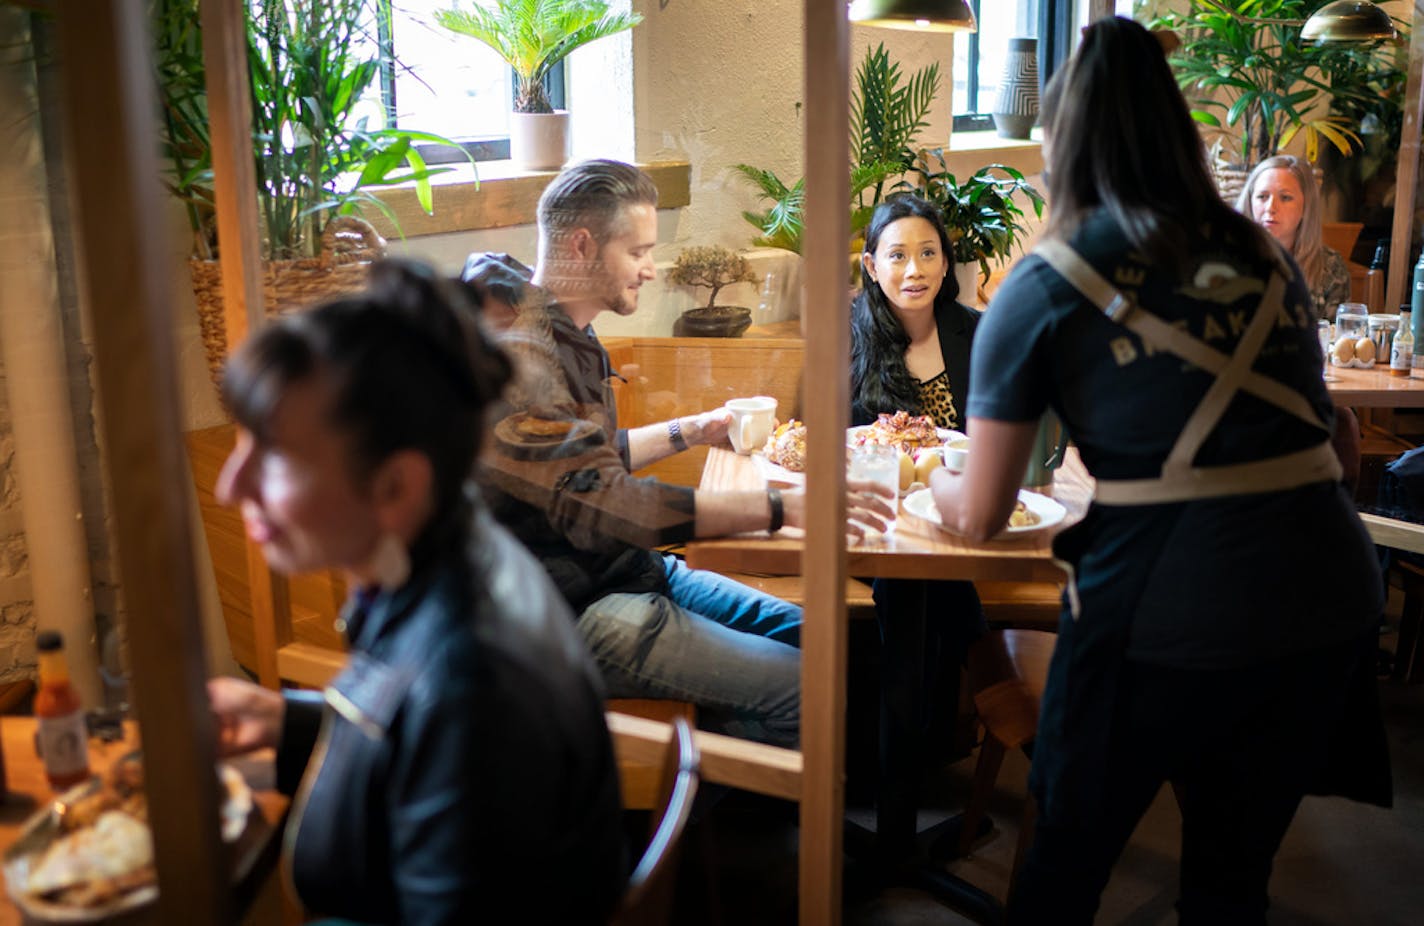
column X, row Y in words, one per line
column 675, row 435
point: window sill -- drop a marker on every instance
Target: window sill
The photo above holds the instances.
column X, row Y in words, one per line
column 502, row 197
column 969, row 151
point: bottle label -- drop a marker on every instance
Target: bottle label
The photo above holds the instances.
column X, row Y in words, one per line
column 1401, row 356
column 63, row 744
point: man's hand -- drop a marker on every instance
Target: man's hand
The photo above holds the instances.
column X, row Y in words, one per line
column 709, row 428
column 869, row 506
column 247, row 716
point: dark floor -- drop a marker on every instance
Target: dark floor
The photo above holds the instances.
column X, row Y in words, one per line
column 1341, row 862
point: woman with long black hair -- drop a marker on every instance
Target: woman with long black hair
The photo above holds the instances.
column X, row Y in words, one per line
column 1223, row 592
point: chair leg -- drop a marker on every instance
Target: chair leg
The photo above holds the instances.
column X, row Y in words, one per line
column 1026, row 825
column 986, row 772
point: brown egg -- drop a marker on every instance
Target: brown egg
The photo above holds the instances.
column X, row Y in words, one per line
column 1345, row 351
column 1365, row 350
column 907, row 471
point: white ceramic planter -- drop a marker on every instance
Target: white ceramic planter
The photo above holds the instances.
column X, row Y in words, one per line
column 967, row 275
column 539, row 141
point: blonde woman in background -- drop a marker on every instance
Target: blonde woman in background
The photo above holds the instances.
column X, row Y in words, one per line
column 1281, row 197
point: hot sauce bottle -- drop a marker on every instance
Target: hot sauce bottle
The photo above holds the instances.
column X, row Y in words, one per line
column 61, row 737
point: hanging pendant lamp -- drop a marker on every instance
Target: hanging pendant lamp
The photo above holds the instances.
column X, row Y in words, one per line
column 921, row 15
column 1348, row 21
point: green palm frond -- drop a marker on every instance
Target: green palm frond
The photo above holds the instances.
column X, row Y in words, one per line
column 534, row 35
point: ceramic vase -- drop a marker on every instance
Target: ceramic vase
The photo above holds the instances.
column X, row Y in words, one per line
column 539, row 141
column 1016, row 109
column 968, row 275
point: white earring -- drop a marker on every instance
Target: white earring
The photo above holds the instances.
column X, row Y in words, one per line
column 390, row 566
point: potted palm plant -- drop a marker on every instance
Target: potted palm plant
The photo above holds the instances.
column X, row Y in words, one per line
column 532, row 36
column 885, row 117
column 317, row 163
column 1248, row 75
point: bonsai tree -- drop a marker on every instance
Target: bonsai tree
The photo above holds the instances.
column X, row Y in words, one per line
column 713, row 267
column 534, row 35
column 885, row 118
column 980, row 214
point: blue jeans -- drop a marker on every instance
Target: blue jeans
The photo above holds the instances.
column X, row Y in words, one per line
column 727, row 648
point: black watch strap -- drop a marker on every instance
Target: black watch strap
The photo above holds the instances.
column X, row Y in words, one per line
column 778, row 510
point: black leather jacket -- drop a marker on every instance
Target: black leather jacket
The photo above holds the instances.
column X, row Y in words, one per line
column 460, row 769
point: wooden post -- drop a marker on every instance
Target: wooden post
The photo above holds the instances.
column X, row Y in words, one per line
column 1406, row 184
column 823, row 638
column 234, row 189
column 112, row 143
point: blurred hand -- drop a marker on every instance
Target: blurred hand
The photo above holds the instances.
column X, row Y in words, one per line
column 247, row 716
column 869, row 506
column 708, row 428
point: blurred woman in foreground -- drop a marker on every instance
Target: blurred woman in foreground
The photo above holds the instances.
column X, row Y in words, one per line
column 460, row 760
column 1222, row 589
column 1281, row 196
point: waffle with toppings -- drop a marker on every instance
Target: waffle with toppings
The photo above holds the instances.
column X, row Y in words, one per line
column 786, row 447
column 901, row 430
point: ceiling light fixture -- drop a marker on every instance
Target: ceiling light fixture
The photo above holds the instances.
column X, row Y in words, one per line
column 918, row 15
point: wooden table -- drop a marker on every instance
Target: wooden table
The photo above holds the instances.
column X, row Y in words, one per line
column 1373, row 387
column 28, row 791
column 915, row 550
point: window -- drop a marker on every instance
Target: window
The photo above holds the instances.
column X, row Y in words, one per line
column 445, row 83
column 979, row 57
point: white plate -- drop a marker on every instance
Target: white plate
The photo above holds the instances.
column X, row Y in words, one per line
column 945, row 434
column 1050, row 513
column 774, row 472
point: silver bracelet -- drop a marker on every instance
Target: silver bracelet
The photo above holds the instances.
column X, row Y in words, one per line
column 675, row 435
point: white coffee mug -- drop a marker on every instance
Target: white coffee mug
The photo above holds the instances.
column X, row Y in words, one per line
column 751, row 422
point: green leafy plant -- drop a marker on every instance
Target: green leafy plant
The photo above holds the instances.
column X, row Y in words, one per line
column 311, row 67
column 713, row 267
column 534, row 35
column 981, row 215
column 1258, row 82
column 886, row 116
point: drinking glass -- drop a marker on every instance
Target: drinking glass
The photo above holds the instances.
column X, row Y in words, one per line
column 1322, row 327
column 766, row 301
column 880, row 464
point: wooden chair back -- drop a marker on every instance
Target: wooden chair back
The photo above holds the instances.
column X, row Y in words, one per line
column 648, row 900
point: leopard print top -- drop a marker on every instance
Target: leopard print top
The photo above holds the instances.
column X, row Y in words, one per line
column 937, row 401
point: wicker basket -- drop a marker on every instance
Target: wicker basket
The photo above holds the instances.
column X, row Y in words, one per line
column 348, row 246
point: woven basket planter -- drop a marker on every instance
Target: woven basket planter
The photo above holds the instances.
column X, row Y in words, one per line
column 348, row 246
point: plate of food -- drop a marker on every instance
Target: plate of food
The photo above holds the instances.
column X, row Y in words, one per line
column 531, row 436
column 88, row 856
column 903, row 431
column 1032, row 513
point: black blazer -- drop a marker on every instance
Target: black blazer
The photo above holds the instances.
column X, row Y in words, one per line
column 956, row 324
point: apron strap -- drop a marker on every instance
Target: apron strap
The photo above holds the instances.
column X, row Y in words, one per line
column 1117, row 307
column 1276, row 474
column 1229, row 380
column 1180, row 480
